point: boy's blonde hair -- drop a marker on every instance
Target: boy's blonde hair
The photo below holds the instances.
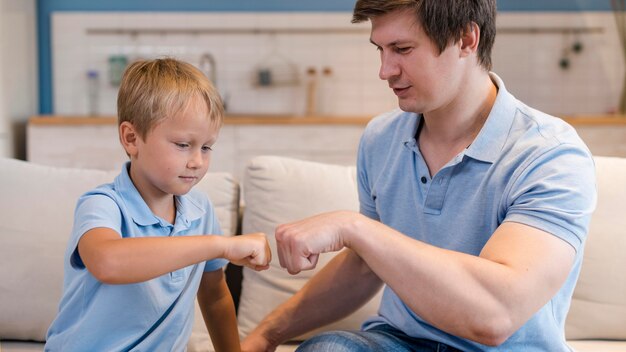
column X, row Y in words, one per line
column 152, row 90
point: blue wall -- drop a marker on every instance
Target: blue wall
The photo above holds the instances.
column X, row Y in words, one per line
column 46, row 7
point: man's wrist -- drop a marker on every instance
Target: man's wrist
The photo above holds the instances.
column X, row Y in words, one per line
column 352, row 228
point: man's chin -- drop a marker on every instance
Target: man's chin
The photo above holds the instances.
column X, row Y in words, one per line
column 407, row 107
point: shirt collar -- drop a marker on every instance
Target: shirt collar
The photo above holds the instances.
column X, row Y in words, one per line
column 494, row 133
column 409, row 134
column 187, row 209
column 136, row 206
column 492, row 136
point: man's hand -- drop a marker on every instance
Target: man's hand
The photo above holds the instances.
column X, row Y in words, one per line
column 256, row 342
column 251, row 250
column 300, row 243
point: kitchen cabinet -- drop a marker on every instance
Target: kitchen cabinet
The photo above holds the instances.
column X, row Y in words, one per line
column 605, row 136
column 87, row 142
column 92, row 142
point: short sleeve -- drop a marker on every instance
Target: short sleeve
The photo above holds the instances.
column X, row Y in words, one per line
column 214, row 229
column 367, row 204
column 93, row 211
column 556, row 193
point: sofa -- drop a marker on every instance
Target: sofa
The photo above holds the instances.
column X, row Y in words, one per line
column 37, row 203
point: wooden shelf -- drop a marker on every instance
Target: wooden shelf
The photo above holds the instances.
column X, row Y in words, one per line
column 598, row 120
column 582, row 120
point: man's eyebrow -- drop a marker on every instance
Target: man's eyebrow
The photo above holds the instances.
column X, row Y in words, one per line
column 394, row 43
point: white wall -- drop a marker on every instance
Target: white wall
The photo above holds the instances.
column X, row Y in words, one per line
column 4, row 123
column 18, row 73
column 352, row 89
column 528, row 62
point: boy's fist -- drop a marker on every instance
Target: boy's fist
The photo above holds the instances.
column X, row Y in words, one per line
column 250, row 250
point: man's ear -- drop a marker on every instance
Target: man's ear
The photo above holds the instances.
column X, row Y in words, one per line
column 129, row 138
column 470, row 37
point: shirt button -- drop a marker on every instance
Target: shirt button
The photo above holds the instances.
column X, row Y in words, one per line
column 424, row 180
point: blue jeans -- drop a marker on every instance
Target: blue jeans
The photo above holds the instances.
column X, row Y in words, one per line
column 379, row 338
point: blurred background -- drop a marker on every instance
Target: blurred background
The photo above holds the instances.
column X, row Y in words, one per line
column 279, row 58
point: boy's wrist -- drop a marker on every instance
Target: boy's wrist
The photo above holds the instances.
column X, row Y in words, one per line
column 221, row 245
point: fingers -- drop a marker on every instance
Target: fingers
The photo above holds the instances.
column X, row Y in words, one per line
column 296, row 248
column 261, row 257
column 299, row 244
column 250, row 250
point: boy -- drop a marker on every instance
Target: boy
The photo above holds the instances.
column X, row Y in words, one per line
column 143, row 245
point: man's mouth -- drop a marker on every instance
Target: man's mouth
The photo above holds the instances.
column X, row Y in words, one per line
column 400, row 90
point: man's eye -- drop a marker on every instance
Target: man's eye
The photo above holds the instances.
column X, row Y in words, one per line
column 404, row 50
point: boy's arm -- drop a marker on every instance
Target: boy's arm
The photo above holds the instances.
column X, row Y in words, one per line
column 116, row 260
column 218, row 311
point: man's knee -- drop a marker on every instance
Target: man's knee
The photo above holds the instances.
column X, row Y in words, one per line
column 336, row 341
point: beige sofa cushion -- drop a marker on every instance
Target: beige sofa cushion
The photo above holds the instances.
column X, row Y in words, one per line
column 598, row 309
column 279, row 190
column 36, row 213
column 597, row 346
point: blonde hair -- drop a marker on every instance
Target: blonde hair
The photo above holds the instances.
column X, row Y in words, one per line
column 152, row 90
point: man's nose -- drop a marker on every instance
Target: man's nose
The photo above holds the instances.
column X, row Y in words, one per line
column 388, row 67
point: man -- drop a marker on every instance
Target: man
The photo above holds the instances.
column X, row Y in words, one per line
column 473, row 207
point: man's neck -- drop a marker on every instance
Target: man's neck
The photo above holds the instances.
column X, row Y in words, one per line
column 448, row 131
column 462, row 118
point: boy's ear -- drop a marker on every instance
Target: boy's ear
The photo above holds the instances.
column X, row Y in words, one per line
column 129, row 138
column 470, row 37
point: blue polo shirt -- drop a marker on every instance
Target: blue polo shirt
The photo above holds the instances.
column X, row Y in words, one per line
column 524, row 166
column 146, row 316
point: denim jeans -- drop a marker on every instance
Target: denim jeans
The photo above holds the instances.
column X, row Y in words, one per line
column 382, row 338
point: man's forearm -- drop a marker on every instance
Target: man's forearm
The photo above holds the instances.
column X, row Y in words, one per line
column 483, row 298
column 340, row 288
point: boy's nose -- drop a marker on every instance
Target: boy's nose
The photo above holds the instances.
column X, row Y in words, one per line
column 195, row 160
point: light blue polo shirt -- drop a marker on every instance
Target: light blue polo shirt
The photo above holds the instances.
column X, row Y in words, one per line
column 524, row 166
column 145, row 316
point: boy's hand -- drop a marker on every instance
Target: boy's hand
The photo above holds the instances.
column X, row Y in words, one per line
column 251, row 250
column 300, row 243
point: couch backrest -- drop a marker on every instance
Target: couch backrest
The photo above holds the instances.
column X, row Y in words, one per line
column 36, row 214
column 279, row 190
column 598, row 309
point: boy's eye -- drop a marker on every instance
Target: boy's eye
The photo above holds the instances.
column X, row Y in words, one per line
column 182, row 145
column 206, row 148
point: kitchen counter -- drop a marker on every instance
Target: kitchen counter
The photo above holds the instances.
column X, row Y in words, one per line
column 92, row 142
column 229, row 120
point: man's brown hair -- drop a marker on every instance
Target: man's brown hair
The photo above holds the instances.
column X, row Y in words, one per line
column 443, row 20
